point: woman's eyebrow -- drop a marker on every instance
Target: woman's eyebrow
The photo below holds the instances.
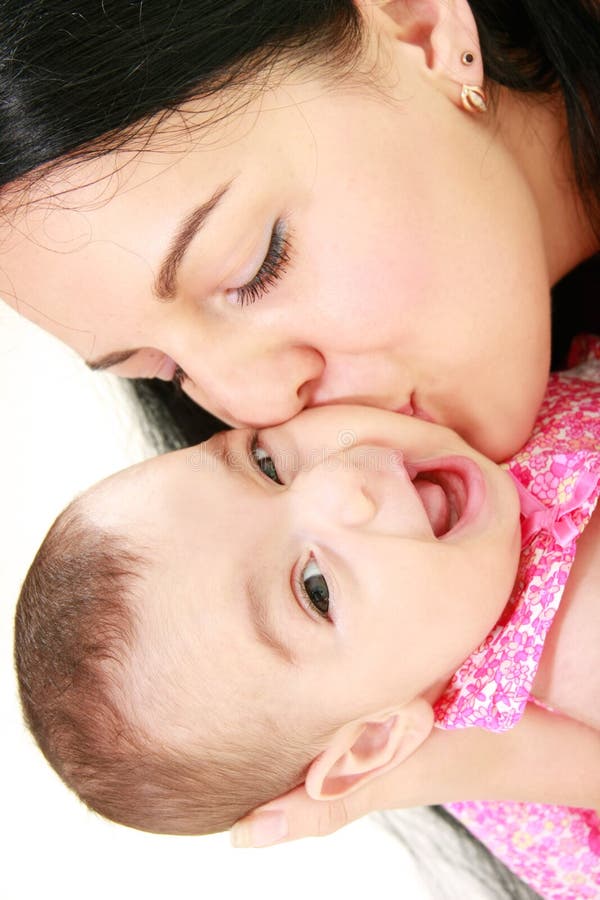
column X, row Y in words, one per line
column 164, row 286
column 111, row 359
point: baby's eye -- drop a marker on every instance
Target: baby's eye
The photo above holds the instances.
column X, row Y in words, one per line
column 264, row 462
column 315, row 587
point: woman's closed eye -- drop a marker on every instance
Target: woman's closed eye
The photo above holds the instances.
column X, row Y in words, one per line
column 273, row 267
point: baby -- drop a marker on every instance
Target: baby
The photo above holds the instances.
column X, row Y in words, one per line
column 205, row 630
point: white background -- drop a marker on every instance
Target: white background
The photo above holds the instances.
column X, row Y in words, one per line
column 62, row 429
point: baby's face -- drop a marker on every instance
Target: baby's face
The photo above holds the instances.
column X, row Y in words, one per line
column 345, row 561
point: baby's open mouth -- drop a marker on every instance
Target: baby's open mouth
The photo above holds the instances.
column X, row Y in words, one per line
column 450, row 489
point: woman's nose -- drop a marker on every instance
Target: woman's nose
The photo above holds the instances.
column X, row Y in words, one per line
column 335, row 492
column 256, row 389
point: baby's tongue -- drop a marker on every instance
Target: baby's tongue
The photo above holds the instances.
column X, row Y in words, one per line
column 436, row 505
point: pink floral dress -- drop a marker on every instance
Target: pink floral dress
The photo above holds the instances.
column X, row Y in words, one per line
column 556, row 850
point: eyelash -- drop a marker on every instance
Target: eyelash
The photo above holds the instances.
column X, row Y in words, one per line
column 252, row 447
column 311, row 608
column 274, row 266
column 179, row 376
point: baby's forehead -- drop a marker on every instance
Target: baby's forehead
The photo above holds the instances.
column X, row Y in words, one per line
column 101, row 499
column 191, row 659
column 122, row 498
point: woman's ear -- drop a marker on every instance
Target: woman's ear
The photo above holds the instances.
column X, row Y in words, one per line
column 366, row 749
column 444, row 30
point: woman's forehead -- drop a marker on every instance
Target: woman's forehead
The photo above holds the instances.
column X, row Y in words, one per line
column 212, row 134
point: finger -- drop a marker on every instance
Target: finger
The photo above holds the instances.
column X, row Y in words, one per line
column 295, row 815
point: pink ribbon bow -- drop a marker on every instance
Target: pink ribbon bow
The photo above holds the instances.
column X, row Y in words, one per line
column 556, row 519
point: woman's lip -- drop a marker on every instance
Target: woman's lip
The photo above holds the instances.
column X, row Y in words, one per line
column 419, row 413
column 467, row 495
column 413, row 409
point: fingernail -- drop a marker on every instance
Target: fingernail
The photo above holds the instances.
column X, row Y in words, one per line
column 260, row 830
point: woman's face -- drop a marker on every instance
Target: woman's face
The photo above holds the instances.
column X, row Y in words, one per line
column 322, row 245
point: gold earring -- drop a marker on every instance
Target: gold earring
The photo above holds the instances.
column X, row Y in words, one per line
column 473, row 98
column 468, row 58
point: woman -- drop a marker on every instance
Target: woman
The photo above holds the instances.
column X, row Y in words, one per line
column 279, row 205
column 322, row 218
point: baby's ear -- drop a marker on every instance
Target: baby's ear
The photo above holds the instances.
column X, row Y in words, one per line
column 366, row 749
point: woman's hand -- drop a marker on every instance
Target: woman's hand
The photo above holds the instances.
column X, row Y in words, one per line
column 438, row 770
column 546, row 758
column 295, row 815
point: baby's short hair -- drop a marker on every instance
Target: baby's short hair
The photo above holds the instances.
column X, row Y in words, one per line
column 75, row 631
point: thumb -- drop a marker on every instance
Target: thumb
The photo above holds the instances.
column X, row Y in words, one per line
column 295, row 815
